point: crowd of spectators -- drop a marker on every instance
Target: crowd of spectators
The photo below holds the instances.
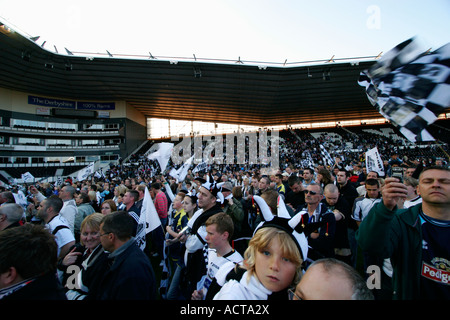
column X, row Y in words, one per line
column 94, row 222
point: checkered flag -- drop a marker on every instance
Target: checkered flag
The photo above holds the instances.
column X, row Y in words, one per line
column 308, row 162
column 410, row 87
column 326, row 156
column 205, row 253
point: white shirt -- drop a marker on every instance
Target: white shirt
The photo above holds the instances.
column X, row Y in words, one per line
column 215, row 263
column 362, row 207
column 412, row 202
column 69, row 212
column 64, row 235
column 193, row 243
column 251, row 289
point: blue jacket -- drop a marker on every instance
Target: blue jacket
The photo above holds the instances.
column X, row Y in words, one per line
column 129, row 277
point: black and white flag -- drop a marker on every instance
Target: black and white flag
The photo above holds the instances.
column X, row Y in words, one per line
column 181, row 173
column 308, row 162
column 148, row 220
column 327, row 159
column 200, row 167
column 374, row 162
column 27, row 177
column 410, row 87
column 86, row 172
column 162, row 155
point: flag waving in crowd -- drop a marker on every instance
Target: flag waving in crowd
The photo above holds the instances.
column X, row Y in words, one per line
column 374, row 162
column 162, row 155
column 410, row 87
column 327, row 159
column 86, row 171
column 27, row 177
column 148, row 220
column 181, row 173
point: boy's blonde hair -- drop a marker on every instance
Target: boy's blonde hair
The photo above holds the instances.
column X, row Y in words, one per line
column 261, row 240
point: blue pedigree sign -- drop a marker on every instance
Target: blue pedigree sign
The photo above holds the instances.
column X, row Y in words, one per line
column 96, row 105
column 50, row 102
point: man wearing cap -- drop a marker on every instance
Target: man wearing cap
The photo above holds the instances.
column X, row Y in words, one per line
column 195, row 261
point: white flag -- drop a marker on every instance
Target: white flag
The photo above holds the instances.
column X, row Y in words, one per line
column 374, row 162
column 201, row 166
column 162, row 155
column 27, row 177
column 148, row 220
column 181, row 173
column 99, row 174
column 86, row 172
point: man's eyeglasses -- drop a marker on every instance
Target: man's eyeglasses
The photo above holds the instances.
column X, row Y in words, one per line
column 313, row 193
column 292, row 295
column 105, row 233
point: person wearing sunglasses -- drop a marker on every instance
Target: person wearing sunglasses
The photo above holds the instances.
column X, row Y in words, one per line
column 320, row 239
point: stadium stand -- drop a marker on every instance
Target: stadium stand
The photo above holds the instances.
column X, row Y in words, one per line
column 93, row 112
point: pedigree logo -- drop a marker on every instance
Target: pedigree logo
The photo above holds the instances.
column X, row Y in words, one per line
column 435, row 274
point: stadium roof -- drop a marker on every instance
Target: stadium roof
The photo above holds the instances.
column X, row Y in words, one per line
column 239, row 92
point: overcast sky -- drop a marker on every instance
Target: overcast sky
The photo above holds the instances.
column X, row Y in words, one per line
column 258, row 30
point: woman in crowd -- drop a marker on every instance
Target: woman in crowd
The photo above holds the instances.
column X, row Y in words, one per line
column 324, row 177
column 94, row 203
column 89, row 259
column 119, row 192
column 108, row 206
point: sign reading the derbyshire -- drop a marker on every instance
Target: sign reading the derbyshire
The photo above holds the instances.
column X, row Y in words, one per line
column 57, row 103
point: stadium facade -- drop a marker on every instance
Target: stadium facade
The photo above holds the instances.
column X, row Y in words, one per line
column 60, row 112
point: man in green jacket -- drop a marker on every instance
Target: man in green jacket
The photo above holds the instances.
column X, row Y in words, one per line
column 232, row 207
column 416, row 239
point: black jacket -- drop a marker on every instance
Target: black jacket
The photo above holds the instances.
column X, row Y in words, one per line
column 130, row 276
column 45, row 287
column 323, row 246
